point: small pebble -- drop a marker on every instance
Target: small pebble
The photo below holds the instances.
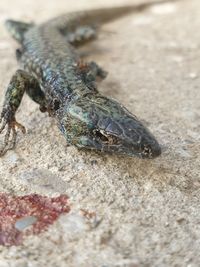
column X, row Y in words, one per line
column 193, row 75
column 25, row 222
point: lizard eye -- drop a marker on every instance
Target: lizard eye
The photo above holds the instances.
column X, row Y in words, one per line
column 99, row 134
column 106, row 138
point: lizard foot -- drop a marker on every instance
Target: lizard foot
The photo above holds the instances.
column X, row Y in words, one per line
column 7, row 119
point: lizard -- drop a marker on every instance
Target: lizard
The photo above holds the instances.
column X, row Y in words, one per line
column 54, row 75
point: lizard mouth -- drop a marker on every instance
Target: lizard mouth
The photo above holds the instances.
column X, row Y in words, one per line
column 110, row 143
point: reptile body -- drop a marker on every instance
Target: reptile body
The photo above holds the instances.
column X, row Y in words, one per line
column 53, row 74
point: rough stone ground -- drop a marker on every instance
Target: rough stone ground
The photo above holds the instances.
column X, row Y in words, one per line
column 147, row 212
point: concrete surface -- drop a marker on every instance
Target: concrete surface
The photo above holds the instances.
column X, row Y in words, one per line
column 147, row 212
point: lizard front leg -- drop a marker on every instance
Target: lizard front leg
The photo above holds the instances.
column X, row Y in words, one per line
column 20, row 82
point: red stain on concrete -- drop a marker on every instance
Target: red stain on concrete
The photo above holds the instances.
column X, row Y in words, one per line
column 13, row 208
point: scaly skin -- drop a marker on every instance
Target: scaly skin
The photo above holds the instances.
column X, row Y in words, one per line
column 53, row 75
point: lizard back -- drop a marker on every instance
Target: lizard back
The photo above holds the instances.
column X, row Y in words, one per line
column 52, row 60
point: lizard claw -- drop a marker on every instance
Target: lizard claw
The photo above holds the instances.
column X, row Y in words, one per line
column 7, row 119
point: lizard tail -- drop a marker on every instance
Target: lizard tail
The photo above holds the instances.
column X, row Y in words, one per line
column 17, row 29
column 100, row 16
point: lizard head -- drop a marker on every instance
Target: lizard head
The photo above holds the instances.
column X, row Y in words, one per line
column 100, row 123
